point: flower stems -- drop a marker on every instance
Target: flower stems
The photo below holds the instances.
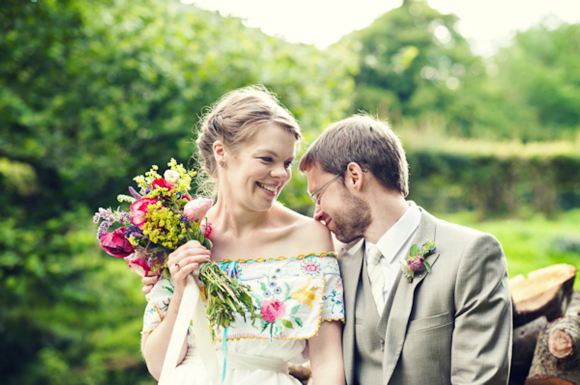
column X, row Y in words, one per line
column 226, row 297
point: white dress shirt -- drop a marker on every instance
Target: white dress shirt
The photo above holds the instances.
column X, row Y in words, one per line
column 395, row 245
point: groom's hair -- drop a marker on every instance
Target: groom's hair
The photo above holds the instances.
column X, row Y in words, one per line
column 366, row 141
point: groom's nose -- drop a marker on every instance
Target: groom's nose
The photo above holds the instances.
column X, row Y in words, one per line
column 319, row 214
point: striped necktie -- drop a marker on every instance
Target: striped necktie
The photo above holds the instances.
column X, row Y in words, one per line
column 376, row 276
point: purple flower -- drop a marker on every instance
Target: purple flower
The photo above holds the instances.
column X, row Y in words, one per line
column 103, row 227
column 134, row 193
column 416, row 264
column 133, row 231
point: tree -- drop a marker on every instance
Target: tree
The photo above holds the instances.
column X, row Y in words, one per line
column 91, row 94
column 541, row 67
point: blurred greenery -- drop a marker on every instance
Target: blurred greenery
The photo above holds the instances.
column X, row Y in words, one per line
column 532, row 243
column 93, row 93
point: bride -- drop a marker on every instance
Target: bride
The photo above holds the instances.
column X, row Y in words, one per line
column 248, row 143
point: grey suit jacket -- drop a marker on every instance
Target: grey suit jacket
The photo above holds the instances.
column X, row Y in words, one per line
column 450, row 326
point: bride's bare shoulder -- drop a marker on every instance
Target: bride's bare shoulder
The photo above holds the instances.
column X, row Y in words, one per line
column 313, row 235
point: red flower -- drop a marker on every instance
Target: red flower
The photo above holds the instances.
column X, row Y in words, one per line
column 116, row 244
column 157, row 183
column 139, row 210
column 272, row 309
column 138, row 263
column 206, row 229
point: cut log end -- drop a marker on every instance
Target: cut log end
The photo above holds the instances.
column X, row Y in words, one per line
column 557, row 358
column 546, row 292
column 560, row 344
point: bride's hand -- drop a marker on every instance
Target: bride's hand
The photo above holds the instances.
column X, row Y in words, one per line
column 149, row 281
column 184, row 261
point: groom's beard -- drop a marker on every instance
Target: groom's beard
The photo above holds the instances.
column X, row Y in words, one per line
column 354, row 219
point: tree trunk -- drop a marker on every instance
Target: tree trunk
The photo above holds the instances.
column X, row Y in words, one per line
column 546, row 292
column 525, row 338
column 573, row 309
column 557, row 356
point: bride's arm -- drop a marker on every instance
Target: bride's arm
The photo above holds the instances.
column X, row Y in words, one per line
column 326, row 354
column 154, row 345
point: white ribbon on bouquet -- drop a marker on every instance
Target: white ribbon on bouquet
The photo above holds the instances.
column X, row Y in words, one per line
column 191, row 309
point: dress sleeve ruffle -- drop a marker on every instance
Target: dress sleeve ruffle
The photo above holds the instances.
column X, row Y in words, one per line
column 333, row 303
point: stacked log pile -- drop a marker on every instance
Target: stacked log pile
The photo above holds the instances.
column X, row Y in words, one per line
column 546, row 344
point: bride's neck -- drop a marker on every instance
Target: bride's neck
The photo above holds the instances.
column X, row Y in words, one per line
column 236, row 220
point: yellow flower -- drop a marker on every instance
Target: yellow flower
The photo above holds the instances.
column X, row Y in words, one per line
column 305, row 294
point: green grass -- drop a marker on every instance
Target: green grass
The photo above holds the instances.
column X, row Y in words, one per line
column 533, row 243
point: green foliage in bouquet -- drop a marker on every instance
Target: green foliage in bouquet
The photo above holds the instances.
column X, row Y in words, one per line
column 225, row 296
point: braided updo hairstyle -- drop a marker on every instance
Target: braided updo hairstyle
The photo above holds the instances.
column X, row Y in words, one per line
column 236, row 117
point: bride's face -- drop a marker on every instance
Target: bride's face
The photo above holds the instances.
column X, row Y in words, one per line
column 260, row 168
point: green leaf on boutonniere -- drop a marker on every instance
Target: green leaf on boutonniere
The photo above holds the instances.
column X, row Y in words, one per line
column 427, row 266
column 414, row 250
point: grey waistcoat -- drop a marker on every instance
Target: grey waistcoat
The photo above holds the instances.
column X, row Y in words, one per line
column 368, row 344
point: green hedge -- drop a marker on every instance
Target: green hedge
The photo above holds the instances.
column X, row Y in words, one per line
column 494, row 179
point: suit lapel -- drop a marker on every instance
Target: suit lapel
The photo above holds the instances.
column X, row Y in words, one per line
column 393, row 324
column 350, row 265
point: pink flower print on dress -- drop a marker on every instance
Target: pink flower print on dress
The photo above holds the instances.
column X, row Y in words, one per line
column 310, row 267
column 272, row 310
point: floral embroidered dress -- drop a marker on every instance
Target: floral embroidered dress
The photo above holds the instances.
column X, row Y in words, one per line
column 293, row 294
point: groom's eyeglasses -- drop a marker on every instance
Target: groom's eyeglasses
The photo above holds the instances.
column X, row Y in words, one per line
column 315, row 196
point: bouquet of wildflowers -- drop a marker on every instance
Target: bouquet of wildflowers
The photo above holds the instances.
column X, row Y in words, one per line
column 163, row 216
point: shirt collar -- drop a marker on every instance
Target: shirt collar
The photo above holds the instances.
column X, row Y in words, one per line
column 398, row 235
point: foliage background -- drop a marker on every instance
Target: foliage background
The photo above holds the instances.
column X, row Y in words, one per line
column 92, row 93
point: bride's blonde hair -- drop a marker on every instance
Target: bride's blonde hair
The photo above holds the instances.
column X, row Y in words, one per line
column 236, row 117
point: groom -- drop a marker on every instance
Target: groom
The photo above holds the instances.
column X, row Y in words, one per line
column 449, row 324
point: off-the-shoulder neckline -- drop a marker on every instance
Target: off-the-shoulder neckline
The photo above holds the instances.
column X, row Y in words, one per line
column 331, row 254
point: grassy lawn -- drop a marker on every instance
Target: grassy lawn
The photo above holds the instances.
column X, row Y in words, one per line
column 533, row 243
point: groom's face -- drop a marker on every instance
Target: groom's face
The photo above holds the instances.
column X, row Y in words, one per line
column 346, row 215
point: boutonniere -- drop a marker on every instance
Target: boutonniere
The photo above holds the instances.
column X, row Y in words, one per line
column 416, row 259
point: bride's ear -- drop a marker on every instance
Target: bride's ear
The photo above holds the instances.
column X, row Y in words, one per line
column 219, row 153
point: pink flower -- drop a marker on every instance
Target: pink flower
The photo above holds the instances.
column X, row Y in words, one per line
column 272, row 310
column 310, row 268
column 139, row 210
column 160, row 182
column 206, row 229
column 138, row 263
column 416, row 264
column 196, row 209
column 116, row 244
